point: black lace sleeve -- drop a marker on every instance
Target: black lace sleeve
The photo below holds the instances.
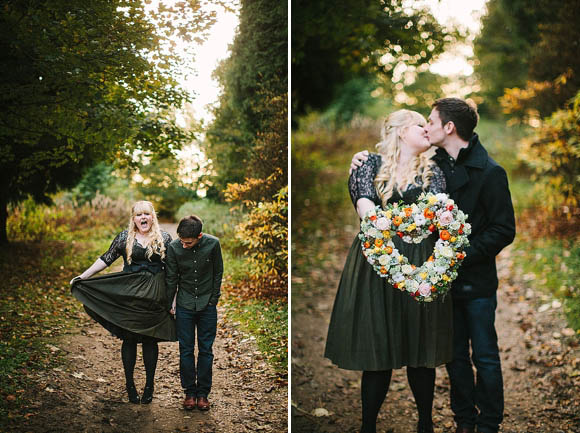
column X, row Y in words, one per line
column 116, row 249
column 438, row 183
column 361, row 181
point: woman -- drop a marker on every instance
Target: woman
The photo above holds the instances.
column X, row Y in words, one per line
column 375, row 327
column 132, row 304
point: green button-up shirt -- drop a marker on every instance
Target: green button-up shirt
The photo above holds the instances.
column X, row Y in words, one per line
column 196, row 271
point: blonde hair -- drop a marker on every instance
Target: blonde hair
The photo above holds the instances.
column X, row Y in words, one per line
column 390, row 149
column 156, row 244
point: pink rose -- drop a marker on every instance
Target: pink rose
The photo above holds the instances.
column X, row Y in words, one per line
column 425, row 289
column 446, row 218
column 382, row 224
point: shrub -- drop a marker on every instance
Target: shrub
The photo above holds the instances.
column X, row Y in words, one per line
column 265, row 235
column 29, row 221
column 553, row 152
column 218, row 219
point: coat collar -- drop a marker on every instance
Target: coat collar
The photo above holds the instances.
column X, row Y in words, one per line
column 474, row 155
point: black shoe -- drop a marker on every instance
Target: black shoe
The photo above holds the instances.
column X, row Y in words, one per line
column 147, row 395
column 132, row 393
column 424, row 429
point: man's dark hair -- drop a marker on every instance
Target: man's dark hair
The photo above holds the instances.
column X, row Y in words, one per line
column 189, row 227
column 462, row 113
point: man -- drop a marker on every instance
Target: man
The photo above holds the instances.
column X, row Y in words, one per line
column 479, row 187
column 195, row 266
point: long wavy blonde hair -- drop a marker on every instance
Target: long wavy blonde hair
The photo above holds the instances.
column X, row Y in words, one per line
column 156, row 244
column 390, row 150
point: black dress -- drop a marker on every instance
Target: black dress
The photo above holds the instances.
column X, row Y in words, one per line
column 131, row 304
column 375, row 326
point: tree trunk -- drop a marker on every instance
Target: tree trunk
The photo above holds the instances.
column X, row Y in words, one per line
column 3, row 219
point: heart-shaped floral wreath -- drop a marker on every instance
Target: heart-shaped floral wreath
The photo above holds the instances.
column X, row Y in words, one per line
column 414, row 223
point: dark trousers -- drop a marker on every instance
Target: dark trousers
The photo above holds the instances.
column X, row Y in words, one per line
column 196, row 378
column 476, row 401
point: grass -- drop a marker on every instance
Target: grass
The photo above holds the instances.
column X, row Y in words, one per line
column 35, row 308
column 267, row 321
column 552, row 265
column 264, row 319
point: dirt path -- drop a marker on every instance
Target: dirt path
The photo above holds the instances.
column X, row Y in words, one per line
column 540, row 362
column 88, row 394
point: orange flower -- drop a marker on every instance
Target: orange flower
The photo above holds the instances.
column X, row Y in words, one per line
column 431, row 259
column 460, row 256
column 433, row 289
column 432, row 228
column 383, row 270
column 367, row 244
column 397, row 221
column 373, row 217
column 444, row 235
column 428, row 213
column 408, row 211
column 378, row 242
column 389, row 249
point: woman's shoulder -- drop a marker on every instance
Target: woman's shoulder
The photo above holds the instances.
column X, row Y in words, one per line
column 370, row 165
column 374, row 158
column 166, row 236
column 122, row 236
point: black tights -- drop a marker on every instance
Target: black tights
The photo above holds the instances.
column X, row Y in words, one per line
column 129, row 357
column 374, row 388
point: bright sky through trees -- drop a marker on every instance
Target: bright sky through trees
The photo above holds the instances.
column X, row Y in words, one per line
column 465, row 14
column 208, row 56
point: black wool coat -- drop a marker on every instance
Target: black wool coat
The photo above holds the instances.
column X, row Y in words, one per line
column 479, row 186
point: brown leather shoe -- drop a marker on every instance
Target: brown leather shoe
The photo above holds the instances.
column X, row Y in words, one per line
column 189, row 403
column 202, row 403
column 464, row 430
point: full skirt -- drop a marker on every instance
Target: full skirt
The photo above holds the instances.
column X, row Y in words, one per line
column 377, row 327
column 130, row 305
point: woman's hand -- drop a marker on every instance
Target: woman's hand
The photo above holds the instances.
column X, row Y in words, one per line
column 358, row 159
column 173, row 304
column 78, row 277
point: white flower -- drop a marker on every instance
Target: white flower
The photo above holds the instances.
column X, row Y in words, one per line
column 442, row 197
column 446, row 252
column 384, row 259
column 419, row 219
column 446, row 218
column 412, row 285
column 397, row 278
column 425, row 289
column 434, row 279
column 407, row 269
column 455, row 225
column 382, row 223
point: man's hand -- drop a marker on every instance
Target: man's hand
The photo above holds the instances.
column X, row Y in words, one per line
column 358, row 159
